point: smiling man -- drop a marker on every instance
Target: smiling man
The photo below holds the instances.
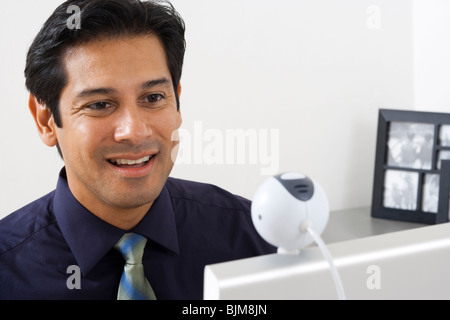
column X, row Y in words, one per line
column 119, row 112
column 116, row 226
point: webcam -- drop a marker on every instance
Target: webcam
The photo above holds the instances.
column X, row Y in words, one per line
column 285, row 206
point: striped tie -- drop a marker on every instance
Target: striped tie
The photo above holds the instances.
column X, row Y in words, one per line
column 133, row 284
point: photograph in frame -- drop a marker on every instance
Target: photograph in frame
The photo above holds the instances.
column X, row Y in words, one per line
column 410, row 145
column 409, row 181
column 400, row 189
column 444, row 136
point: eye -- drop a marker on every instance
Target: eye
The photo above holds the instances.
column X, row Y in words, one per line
column 153, row 98
column 102, row 105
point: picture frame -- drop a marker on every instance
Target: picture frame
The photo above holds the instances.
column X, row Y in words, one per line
column 412, row 166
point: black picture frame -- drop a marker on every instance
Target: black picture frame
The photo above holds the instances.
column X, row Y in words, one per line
column 412, row 166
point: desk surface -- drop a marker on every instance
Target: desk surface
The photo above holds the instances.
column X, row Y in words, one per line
column 410, row 260
column 357, row 223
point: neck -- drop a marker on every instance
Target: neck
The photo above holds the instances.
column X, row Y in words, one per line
column 121, row 211
column 125, row 219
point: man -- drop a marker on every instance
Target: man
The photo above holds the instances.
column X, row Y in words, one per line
column 106, row 93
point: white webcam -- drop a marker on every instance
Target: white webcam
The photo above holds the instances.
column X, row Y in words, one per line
column 285, row 206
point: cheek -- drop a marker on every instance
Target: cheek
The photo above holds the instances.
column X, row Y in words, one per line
column 82, row 139
column 95, row 129
column 167, row 127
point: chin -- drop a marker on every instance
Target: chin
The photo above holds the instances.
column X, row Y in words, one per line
column 136, row 196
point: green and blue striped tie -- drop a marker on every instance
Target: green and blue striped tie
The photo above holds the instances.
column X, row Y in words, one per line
column 133, row 284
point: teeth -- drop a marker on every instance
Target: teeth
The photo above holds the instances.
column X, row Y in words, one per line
column 130, row 162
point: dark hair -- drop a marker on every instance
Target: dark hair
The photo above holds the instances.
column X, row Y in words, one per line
column 45, row 72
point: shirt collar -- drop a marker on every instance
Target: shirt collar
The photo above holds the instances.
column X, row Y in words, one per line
column 90, row 238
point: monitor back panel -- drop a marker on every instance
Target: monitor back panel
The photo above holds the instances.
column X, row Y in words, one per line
column 411, row 264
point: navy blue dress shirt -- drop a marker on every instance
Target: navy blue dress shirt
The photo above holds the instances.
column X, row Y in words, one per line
column 54, row 248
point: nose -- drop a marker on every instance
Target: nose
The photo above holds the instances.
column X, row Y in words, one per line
column 132, row 125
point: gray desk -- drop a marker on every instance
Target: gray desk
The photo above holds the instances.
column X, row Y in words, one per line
column 357, row 223
column 376, row 259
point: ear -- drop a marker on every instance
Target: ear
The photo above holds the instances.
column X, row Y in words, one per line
column 44, row 121
column 179, row 90
column 180, row 120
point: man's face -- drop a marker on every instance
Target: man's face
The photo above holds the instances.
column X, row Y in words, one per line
column 118, row 113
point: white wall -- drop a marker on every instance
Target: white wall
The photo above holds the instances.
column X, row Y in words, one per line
column 431, row 32
column 315, row 72
column 312, row 69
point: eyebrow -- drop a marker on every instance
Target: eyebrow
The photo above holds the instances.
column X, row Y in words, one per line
column 108, row 91
column 152, row 83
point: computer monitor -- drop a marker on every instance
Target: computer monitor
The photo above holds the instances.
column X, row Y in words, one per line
column 411, row 264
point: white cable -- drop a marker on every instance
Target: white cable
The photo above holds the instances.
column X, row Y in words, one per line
column 327, row 255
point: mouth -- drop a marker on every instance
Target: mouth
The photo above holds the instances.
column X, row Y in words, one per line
column 131, row 163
